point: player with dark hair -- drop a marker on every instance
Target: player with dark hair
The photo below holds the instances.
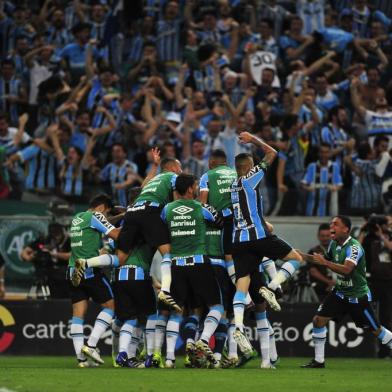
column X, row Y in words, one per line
column 143, row 219
column 192, row 274
column 215, row 191
column 87, row 229
column 252, row 236
column 351, row 295
column 134, row 299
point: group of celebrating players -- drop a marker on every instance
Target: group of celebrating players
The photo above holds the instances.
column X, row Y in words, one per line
column 218, row 256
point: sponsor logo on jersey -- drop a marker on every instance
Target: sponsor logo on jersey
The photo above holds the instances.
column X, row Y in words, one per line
column 77, row 221
column 182, row 210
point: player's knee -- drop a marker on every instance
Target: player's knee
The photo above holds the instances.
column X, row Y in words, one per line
column 108, row 305
column 318, row 322
column 297, row 256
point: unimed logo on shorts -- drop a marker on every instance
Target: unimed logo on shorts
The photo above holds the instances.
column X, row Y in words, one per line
column 7, row 321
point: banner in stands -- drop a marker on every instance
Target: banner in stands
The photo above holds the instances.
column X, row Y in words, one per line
column 43, row 328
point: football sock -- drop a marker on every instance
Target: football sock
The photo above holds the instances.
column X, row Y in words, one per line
column 231, row 270
column 190, row 327
column 211, row 322
column 116, row 328
column 137, row 333
column 272, row 344
column 263, row 332
column 319, row 336
column 231, row 343
column 160, row 328
column 269, row 267
column 166, row 272
column 172, row 332
column 77, row 335
column 385, row 337
column 102, row 323
column 220, row 337
column 126, row 333
column 239, row 305
column 150, row 333
column 103, row 261
column 286, row 271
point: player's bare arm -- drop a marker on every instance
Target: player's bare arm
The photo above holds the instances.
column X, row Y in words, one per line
column 269, row 152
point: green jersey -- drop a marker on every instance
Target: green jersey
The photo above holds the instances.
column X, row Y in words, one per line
column 186, row 220
column 86, row 235
column 217, row 182
column 159, row 189
column 354, row 285
column 141, row 256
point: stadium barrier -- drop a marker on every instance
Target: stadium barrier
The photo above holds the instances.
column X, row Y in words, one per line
column 17, row 230
column 42, row 328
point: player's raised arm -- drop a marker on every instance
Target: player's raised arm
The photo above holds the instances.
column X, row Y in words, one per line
column 269, row 152
column 345, row 269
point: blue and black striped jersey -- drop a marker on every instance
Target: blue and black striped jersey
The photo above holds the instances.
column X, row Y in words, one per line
column 249, row 223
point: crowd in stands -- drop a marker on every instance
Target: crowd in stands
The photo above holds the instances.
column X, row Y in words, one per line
column 88, row 87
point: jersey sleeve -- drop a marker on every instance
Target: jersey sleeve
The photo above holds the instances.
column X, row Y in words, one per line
column 164, row 214
column 173, row 182
column 308, row 178
column 100, row 223
column 104, row 175
column 210, row 213
column 204, row 182
column 27, row 153
column 354, row 253
column 254, row 177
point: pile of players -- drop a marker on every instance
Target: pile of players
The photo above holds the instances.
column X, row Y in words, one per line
column 212, row 238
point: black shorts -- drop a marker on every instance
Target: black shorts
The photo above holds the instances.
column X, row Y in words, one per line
column 143, row 221
column 133, row 298
column 361, row 313
column 248, row 255
column 97, row 288
column 226, row 286
column 197, row 282
column 227, row 234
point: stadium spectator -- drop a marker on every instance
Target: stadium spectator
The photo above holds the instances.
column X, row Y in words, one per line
column 322, row 182
column 81, row 64
column 377, row 244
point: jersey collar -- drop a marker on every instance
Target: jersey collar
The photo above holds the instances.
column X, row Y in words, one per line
column 345, row 242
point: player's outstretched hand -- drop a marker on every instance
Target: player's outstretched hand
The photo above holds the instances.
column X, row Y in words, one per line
column 319, row 259
column 156, row 156
column 245, row 137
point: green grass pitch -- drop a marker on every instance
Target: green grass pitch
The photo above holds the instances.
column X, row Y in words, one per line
column 59, row 374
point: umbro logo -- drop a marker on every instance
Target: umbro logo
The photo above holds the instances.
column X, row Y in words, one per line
column 76, row 221
column 225, row 172
column 182, row 210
